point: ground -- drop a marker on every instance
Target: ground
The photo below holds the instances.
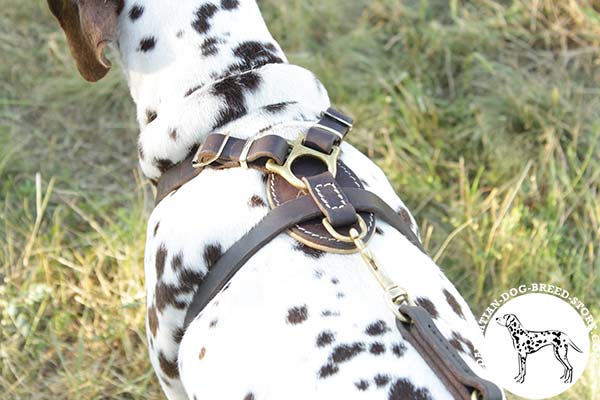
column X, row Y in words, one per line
column 484, row 114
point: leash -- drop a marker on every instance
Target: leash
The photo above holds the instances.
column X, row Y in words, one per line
column 320, row 202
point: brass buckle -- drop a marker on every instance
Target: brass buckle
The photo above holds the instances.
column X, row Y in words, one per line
column 197, row 164
column 300, row 150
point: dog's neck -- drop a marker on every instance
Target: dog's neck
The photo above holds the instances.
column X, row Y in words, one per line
column 194, row 67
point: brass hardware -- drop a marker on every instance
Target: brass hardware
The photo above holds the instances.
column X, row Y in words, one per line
column 300, row 150
column 197, row 164
column 343, row 238
column 475, row 395
column 395, row 296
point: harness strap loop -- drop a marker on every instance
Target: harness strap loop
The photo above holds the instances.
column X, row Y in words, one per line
column 330, row 198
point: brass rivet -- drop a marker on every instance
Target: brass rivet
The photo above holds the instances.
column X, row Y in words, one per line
column 202, row 353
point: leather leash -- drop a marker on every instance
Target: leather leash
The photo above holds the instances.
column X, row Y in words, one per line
column 323, row 200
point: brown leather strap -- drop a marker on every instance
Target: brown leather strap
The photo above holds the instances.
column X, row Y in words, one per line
column 456, row 375
column 330, row 198
column 275, row 222
column 313, row 233
column 174, row 178
column 223, row 151
column 328, row 132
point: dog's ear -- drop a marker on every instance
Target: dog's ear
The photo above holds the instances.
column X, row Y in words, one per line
column 89, row 25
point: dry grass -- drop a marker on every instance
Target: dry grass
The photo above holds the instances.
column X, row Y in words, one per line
column 483, row 113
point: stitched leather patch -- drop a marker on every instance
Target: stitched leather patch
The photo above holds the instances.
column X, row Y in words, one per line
column 313, row 233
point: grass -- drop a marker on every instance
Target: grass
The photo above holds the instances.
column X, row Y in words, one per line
column 483, row 113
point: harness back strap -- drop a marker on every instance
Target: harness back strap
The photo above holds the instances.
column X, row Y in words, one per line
column 437, row 352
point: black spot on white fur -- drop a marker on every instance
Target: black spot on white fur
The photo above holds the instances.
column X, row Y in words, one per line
column 136, row 11
column 377, row 348
column 163, row 164
column 454, row 304
column 161, row 256
column 340, row 354
column 381, row 380
column 153, row 320
column 229, row 4
column 399, row 349
column 192, row 90
column 309, row 251
column 278, row 107
column 297, row 315
column 168, row 367
column 377, row 328
column 212, row 253
column 328, row 370
column 253, row 54
column 147, row 44
column 249, row 396
column 256, row 201
column 428, row 306
column 325, row 338
column 404, row 389
column 209, row 46
column 203, row 16
column 178, row 335
column 232, row 90
column 362, row 385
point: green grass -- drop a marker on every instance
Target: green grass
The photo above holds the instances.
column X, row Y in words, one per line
column 483, row 113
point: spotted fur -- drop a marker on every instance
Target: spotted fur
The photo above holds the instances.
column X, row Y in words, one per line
column 294, row 323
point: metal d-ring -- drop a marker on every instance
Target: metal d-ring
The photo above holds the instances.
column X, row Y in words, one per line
column 299, row 150
column 343, row 238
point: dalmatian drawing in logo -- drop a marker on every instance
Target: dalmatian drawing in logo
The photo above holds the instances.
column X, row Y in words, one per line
column 527, row 342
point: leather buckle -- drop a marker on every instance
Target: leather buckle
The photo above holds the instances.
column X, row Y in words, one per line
column 201, row 164
column 299, row 150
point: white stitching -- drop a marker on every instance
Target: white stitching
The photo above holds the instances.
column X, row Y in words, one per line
column 335, row 189
column 330, row 239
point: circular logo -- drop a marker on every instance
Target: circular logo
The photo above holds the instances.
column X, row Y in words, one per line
column 537, row 345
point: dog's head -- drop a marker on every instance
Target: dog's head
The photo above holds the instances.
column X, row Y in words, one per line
column 508, row 320
column 89, row 26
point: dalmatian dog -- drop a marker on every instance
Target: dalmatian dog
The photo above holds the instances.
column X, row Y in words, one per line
column 527, row 342
column 294, row 323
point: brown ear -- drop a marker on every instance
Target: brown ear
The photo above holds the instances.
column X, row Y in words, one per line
column 89, row 25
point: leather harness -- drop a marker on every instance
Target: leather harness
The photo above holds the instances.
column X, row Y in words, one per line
column 320, row 202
